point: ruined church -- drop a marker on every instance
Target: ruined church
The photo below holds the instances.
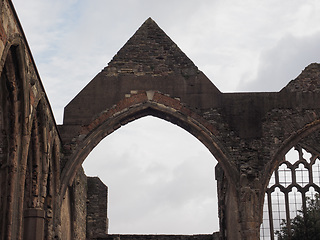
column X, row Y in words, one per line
column 44, row 193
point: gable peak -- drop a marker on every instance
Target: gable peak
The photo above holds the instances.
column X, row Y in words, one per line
column 150, row 51
column 308, row 80
column 149, row 20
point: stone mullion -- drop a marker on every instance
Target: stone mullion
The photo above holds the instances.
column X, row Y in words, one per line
column 270, row 215
column 287, row 207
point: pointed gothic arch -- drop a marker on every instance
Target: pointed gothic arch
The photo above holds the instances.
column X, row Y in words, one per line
column 132, row 108
column 295, row 138
column 304, row 140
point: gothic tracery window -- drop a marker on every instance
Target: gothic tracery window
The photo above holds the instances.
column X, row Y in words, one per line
column 296, row 179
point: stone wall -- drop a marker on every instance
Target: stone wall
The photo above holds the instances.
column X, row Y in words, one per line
column 79, row 189
column 42, row 186
column 248, row 133
column 97, row 220
column 214, row 236
column 29, row 141
column 74, row 209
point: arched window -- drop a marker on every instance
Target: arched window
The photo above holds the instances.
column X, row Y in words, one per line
column 291, row 185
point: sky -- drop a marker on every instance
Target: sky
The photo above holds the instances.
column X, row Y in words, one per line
column 161, row 179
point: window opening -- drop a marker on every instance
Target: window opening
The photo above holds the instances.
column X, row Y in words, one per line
column 302, row 175
column 316, row 172
column 295, row 202
column 284, row 173
column 295, row 181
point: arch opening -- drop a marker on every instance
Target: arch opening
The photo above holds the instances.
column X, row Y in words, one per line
column 292, row 186
column 109, row 121
column 160, row 179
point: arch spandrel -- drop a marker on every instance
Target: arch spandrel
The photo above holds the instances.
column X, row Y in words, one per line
column 149, row 60
column 83, row 138
column 149, row 75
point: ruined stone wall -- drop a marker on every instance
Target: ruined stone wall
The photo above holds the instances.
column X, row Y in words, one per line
column 66, row 214
column 30, row 143
column 43, row 190
column 79, row 188
column 97, row 205
column 248, row 133
column 214, row 236
column 31, row 206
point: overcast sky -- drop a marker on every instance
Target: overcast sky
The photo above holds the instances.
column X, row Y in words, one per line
column 160, row 178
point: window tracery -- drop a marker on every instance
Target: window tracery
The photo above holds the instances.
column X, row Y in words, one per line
column 296, row 179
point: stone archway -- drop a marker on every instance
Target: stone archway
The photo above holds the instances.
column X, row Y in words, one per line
column 296, row 137
column 246, row 132
column 150, row 75
column 160, row 179
column 292, row 185
column 85, row 138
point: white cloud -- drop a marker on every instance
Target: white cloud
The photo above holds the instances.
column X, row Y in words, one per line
column 284, row 62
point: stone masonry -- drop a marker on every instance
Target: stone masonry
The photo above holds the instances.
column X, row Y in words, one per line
column 97, row 200
column 44, row 193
